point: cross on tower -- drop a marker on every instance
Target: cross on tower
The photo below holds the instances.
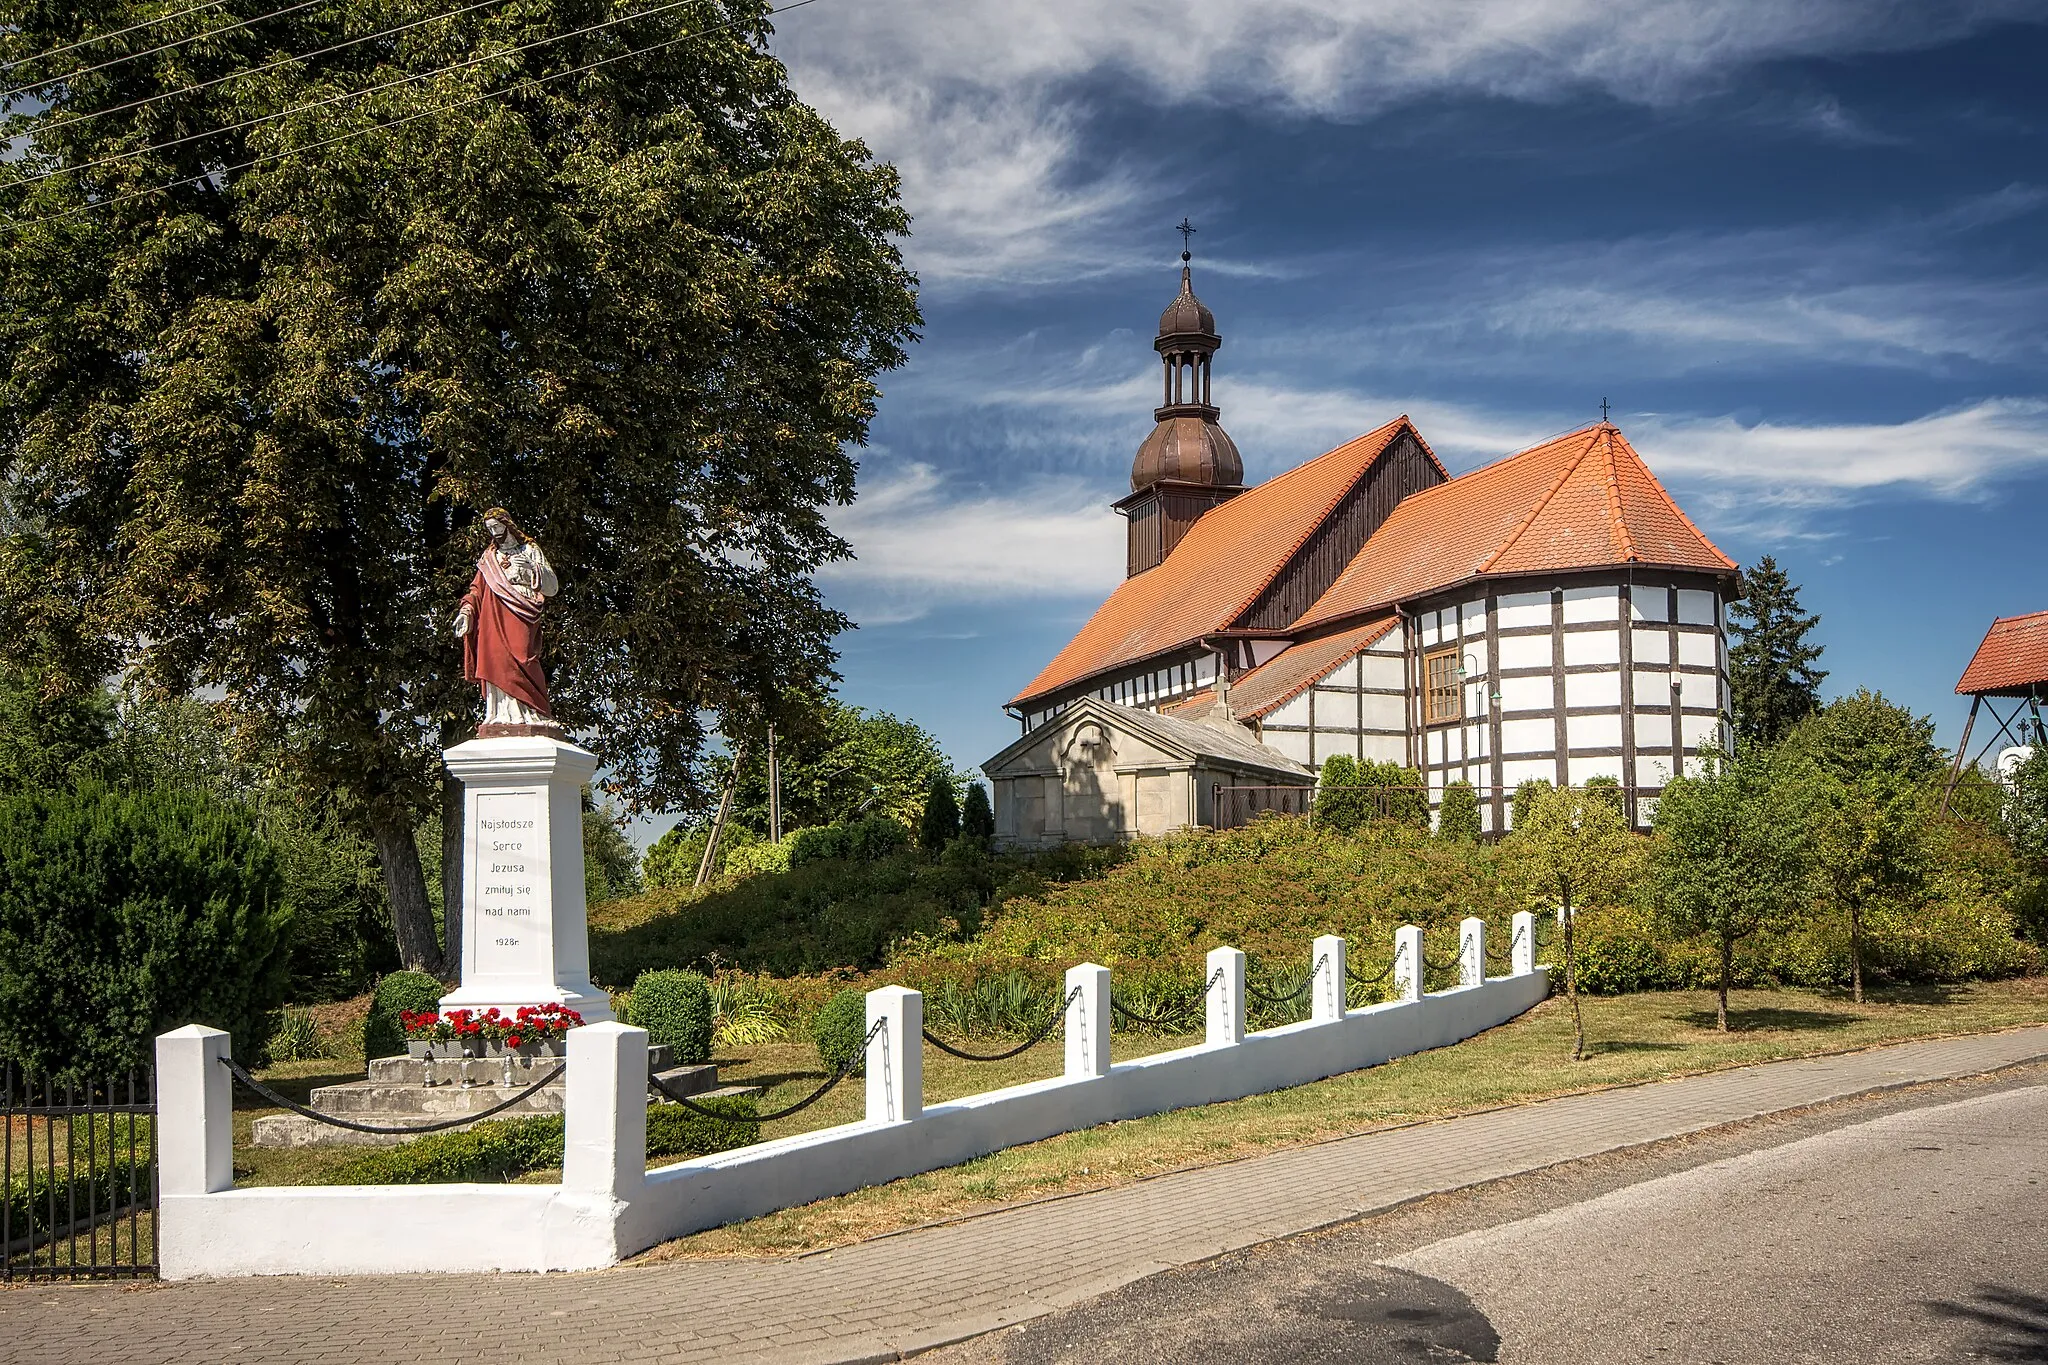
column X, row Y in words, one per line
column 1186, row 230
column 1603, row 409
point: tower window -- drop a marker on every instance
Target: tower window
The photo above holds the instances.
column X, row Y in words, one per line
column 1445, row 698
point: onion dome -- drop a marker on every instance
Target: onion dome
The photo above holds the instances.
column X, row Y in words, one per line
column 1187, row 446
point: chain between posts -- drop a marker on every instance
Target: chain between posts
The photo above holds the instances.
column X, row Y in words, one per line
column 1033, row 1041
column 241, row 1074
column 654, row 1084
column 1127, row 1012
column 1255, row 993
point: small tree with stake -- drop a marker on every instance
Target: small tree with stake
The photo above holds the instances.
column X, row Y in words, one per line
column 1571, row 846
column 1731, row 854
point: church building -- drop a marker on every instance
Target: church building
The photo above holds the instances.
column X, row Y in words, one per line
column 1553, row 614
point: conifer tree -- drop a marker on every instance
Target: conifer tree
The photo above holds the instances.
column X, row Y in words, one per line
column 1770, row 665
column 978, row 820
column 941, row 823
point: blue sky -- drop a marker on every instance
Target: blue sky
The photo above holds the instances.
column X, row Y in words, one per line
column 1802, row 247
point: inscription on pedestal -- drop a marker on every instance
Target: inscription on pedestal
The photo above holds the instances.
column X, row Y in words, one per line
column 511, row 883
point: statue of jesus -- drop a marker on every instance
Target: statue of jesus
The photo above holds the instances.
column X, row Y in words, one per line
column 499, row 626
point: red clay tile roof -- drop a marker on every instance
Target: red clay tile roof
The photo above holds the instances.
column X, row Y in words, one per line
column 1224, row 562
column 2012, row 659
column 1294, row 670
column 1583, row 500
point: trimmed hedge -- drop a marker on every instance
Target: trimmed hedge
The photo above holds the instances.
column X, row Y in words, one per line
column 397, row 993
column 498, row 1150
column 839, row 1030
column 675, row 1008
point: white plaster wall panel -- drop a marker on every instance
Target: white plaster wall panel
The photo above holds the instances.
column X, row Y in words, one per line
column 1475, row 618
column 1527, row 694
column 1594, row 732
column 1293, row 713
column 1386, row 748
column 1593, row 689
column 1525, row 651
column 1432, row 633
column 1592, row 647
column 1336, row 710
column 1591, row 604
column 1528, row 736
column 1700, row 650
column 1699, row 730
column 1651, row 646
column 1698, row 607
column 1264, row 650
column 1651, row 688
column 1516, row 771
column 1653, row 732
column 1383, row 671
column 1585, row 770
column 1435, row 742
column 1383, row 712
column 1519, row 609
column 1474, row 652
column 1335, row 742
column 1649, row 603
column 1475, row 742
column 1700, row 689
column 1652, row 772
column 1293, row 743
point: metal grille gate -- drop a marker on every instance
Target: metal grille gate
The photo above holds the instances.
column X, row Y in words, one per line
column 78, row 1176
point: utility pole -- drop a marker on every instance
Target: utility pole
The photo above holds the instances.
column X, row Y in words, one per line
column 774, row 792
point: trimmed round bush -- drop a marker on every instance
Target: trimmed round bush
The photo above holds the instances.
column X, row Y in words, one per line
column 840, row 1029
column 675, row 1008
column 397, row 993
column 124, row 913
column 1458, row 816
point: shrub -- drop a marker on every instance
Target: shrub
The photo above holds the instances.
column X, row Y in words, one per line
column 1606, row 787
column 840, row 1029
column 1458, row 816
column 675, row 1008
column 1525, row 800
column 126, row 913
column 1618, row 951
column 341, row 922
column 504, row 1149
column 1340, row 807
column 294, row 1037
column 755, row 860
column 978, row 820
column 866, row 840
column 1400, row 797
column 397, row 993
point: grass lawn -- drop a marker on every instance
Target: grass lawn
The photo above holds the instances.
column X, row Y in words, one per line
column 1629, row 1039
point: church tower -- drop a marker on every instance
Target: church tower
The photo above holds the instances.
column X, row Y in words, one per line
column 1189, row 463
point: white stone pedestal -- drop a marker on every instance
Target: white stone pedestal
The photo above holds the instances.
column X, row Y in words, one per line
column 525, row 940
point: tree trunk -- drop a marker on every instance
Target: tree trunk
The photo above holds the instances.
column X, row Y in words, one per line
column 1727, row 968
column 1856, row 951
column 405, row 882
column 454, row 833
column 1571, row 982
column 710, row 858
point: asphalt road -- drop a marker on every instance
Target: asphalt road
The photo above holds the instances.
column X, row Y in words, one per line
column 1904, row 1229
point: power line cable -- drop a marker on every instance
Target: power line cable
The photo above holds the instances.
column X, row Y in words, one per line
column 152, row 51
column 259, row 70
column 268, row 158
column 103, row 37
column 347, row 95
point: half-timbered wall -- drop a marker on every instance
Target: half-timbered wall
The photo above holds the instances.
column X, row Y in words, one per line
column 1149, row 686
column 1360, row 709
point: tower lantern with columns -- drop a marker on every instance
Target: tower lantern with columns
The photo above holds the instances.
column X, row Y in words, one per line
column 1188, row 464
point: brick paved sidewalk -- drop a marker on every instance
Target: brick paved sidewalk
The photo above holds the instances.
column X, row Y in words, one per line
column 910, row 1292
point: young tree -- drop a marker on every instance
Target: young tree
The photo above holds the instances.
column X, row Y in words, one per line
column 840, row 763
column 1866, row 763
column 940, row 824
column 1571, row 848
column 259, row 375
column 978, row 820
column 1731, row 854
column 1770, row 665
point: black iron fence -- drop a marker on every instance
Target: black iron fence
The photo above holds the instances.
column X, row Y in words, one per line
column 77, row 1177
column 1241, row 805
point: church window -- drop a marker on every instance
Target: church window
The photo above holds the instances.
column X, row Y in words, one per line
column 1446, row 699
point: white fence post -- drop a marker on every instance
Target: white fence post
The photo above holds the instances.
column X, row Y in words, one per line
column 1524, row 943
column 604, row 1111
column 195, row 1104
column 1326, row 992
column 1408, row 963
column 1472, row 951
column 1226, row 997
column 896, row 1055
column 1087, row 1023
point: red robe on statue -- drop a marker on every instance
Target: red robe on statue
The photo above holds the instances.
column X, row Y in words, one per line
column 502, row 644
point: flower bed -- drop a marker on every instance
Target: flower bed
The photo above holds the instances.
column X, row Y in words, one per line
column 529, row 1031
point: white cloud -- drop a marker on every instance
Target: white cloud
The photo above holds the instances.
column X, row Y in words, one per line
column 983, row 103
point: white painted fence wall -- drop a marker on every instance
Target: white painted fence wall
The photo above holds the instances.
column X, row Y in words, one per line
column 609, row 1206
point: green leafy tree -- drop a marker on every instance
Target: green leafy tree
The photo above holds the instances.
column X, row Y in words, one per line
column 1571, row 850
column 1771, row 673
column 611, row 867
column 1732, row 855
column 1605, row 788
column 1458, row 816
column 840, row 763
column 259, row 375
column 941, row 822
column 2025, row 816
column 978, row 820
column 1868, row 765
column 1524, row 799
column 49, row 738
